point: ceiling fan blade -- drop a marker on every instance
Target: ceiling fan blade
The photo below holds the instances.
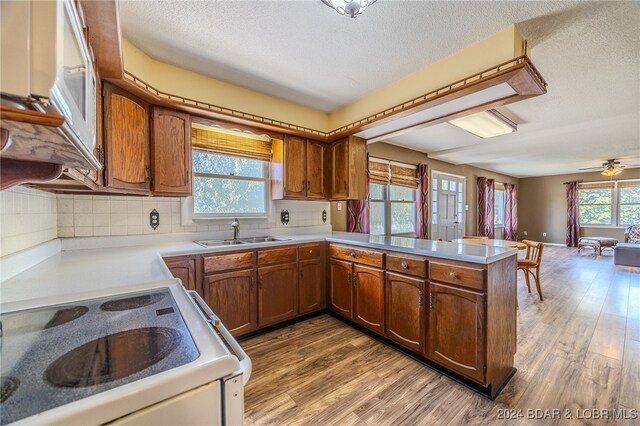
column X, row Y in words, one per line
column 592, row 168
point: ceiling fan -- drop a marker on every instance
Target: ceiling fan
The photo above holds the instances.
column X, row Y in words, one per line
column 612, row 167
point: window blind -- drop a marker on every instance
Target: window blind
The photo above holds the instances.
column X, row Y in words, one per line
column 378, row 172
column 230, row 143
column 596, row 185
column 628, row 183
column 404, row 175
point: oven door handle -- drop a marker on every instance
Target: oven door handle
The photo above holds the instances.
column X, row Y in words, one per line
column 243, row 358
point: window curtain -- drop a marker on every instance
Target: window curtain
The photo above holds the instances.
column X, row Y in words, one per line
column 423, row 202
column 573, row 214
column 510, row 212
column 358, row 212
column 485, row 207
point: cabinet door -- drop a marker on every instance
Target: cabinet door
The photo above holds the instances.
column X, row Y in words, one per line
column 369, row 297
column 232, row 296
column 404, row 307
column 126, row 127
column 310, row 287
column 340, row 287
column 315, row 169
column 456, row 330
column 295, row 165
column 171, row 152
column 340, row 169
column 183, row 268
column 277, row 293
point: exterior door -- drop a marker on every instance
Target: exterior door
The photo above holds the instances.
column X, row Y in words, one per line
column 448, row 194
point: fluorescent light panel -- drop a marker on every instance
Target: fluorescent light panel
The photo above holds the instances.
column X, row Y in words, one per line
column 486, row 124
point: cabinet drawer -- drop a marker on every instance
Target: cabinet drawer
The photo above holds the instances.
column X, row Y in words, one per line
column 407, row 264
column 226, row 262
column 458, row 275
column 358, row 255
column 309, row 251
column 277, row 255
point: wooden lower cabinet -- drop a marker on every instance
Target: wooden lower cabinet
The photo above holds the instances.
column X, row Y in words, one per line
column 340, row 287
column 368, row 297
column 457, row 330
column 310, row 287
column 404, row 306
column 183, row 268
column 277, row 293
column 232, row 296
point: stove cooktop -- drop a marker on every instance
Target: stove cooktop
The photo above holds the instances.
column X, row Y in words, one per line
column 59, row 354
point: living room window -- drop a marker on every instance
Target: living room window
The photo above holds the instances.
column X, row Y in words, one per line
column 614, row 203
column 230, row 173
column 498, row 206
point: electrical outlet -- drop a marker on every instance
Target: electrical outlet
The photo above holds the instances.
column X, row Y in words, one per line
column 154, row 219
column 544, row 234
column 525, row 233
column 339, row 206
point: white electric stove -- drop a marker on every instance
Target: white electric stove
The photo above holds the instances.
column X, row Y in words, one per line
column 149, row 354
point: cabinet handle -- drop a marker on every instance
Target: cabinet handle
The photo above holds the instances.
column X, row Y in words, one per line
column 404, row 264
column 251, row 282
column 259, row 281
column 353, row 254
column 453, row 274
column 430, row 300
column 419, row 298
column 147, row 172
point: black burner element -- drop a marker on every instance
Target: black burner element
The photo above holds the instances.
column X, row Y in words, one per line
column 133, row 302
column 8, row 386
column 40, row 319
column 112, row 357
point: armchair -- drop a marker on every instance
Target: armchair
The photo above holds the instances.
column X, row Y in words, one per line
column 632, row 234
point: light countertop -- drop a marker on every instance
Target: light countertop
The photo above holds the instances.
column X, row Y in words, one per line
column 87, row 267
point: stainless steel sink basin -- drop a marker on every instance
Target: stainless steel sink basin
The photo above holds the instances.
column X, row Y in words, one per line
column 253, row 240
column 215, row 243
column 263, row 239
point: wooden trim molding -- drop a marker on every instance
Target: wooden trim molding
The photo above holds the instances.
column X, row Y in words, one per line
column 15, row 172
column 519, row 73
column 103, row 32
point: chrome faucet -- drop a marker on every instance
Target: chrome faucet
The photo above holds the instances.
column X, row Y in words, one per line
column 236, row 228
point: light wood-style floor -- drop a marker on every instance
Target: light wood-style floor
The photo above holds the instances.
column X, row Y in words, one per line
column 579, row 349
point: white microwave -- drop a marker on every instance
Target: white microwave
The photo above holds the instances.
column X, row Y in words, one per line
column 46, row 63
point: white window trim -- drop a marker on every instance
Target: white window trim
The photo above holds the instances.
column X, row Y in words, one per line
column 189, row 217
column 386, row 201
column 615, row 206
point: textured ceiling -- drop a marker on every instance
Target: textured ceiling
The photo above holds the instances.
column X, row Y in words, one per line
column 589, row 53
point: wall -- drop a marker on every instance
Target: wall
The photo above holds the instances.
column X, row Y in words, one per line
column 27, row 218
column 86, row 215
column 396, row 153
column 542, row 207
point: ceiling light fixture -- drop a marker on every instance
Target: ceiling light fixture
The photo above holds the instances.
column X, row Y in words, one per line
column 486, row 124
column 351, row 8
column 611, row 171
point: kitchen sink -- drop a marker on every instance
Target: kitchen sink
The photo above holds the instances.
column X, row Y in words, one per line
column 252, row 240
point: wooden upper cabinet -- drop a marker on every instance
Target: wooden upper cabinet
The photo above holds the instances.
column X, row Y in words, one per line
column 277, row 293
column 347, row 164
column 457, row 330
column 295, row 165
column 297, row 169
column 232, row 296
column 368, row 297
column 404, row 310
column 171, row 152
column 315, row 169
column 126, row 130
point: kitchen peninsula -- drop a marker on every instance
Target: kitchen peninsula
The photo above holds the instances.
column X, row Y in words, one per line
column 452, row 306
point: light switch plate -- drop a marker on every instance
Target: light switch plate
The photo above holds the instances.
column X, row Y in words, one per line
column 339, row 206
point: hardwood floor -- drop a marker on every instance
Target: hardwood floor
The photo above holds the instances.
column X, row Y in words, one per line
column 577, row 350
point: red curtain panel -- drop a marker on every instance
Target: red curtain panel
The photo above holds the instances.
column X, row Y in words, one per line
column 485, row 207
column 573, row 214
column 358, row 213
column 423, row 202
column 510, row 212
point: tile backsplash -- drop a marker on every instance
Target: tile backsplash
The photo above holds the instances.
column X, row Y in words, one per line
column 27, row 218
column 86, row 215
